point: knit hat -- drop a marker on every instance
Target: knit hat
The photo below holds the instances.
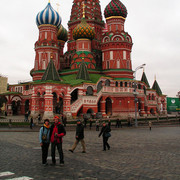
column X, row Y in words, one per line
column 56, row 117
column 46, row 120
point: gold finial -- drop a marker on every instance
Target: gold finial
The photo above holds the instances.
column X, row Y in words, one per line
column 143, row 69
column 57, row 6
column 83, row 10
column 49, row 1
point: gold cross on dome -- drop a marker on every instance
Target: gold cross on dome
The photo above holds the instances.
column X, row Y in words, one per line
column 83, row 10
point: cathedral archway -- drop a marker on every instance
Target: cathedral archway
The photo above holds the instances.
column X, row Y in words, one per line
column 108, row 106
column 90, row 113
column 26, row 105
column 74, row 96
column 99, row 104
column 14, row 107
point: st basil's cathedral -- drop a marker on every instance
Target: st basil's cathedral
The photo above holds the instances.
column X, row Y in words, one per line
column 94, row 76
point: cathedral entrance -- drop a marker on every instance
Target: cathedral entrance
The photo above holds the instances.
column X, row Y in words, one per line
column 108, row 106
column 60, row 105
column 16, row 107
column 90, row 113
column 26, row 106
column 99, row 104
column 57, row 104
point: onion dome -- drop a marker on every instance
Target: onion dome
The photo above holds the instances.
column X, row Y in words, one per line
column 62, row 34
column 115, row 8
column 83, row 30
column 48, row 16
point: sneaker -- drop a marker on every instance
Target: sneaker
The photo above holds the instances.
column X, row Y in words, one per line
column 71, row 150
column 83, row 151
column 45, row 164
column 61, row 163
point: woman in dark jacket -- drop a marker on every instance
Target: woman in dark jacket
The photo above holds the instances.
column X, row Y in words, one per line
column 105, row 132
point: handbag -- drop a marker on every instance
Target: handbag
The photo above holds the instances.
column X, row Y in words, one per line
column 108, row 134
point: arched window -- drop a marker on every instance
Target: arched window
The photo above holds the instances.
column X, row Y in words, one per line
column 125, row 84
column 121, row 84
column 27, row 87
column 89, row 91
column 152, row 96
column 149, row 97
column 107, row 82
column 116, row 84
column 139, row 86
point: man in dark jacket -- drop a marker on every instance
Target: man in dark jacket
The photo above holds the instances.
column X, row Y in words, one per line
column 57, row 131
column 79, row 137
column 105, row 131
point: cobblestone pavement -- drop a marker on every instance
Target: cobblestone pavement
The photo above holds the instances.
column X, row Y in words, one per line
column 135, row 154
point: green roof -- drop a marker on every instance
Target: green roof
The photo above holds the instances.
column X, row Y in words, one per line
column 9, row 93
column 83, row 73
column 71, row 79
column 157, row 88
column 50, row 73
column 144, row 79
column 123, row 79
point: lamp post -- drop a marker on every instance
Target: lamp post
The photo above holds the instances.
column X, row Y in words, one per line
column 136, row 93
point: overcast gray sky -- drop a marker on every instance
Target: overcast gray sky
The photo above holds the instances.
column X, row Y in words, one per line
column 154, row 26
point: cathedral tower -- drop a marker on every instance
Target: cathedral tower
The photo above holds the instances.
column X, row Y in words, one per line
column 116, row 43
column 94, row 19
column 47, row 46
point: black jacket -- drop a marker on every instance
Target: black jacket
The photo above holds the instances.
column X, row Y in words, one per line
column 79, row 131
column 104, row 130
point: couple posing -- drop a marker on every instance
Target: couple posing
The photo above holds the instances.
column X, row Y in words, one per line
column 54, row 135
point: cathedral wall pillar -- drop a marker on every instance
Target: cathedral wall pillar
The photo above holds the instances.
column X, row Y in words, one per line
column 48, row 107
column 67, row 105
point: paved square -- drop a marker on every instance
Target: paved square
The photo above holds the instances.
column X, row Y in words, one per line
column 135, row 154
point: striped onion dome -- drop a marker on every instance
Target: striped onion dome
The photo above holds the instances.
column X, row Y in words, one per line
column 48, row 16
column 83, row 30
column 115, row 8
column 62, row 33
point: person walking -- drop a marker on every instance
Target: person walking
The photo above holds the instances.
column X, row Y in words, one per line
column 31, row 123
column 150, row 125
column 90, row 123
column 79, row 137
column 64, row 120
column 117, row 123
column 44, row 139
column 97, row 125
column 85, row 119
column 109, row 123
column 57, row 131
column 39, row 117
column 26, row 116
column 105, row 132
